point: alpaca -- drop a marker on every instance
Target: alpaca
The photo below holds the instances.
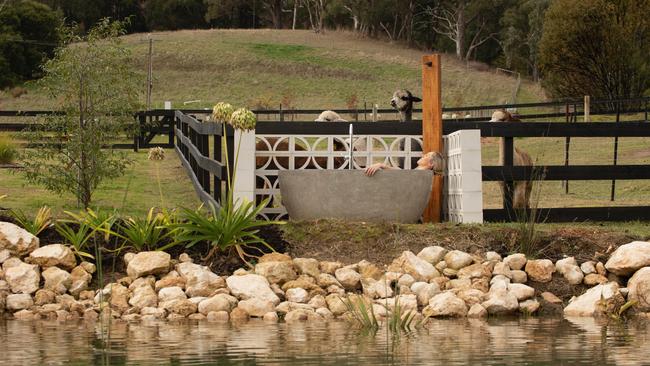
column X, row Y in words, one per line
column 329, row 116
column 521, row 194
column 403, row 100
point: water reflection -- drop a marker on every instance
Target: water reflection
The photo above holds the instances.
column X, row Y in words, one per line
column 441, row 342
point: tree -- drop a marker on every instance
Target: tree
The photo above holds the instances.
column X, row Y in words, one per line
column 175, row 14
column 92, row 79
column 596, row 47
column 28, row 37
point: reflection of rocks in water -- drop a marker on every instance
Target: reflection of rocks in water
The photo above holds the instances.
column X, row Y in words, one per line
column 441, row 342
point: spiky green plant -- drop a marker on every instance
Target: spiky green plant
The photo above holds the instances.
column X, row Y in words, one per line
column 37, row 224
column 79, row 239
column 361, row 313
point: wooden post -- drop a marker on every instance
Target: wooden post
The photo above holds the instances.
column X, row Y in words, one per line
column 587, row 108
column 432, row 128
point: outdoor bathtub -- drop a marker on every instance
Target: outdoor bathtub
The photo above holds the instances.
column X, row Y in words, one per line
column 388, row 196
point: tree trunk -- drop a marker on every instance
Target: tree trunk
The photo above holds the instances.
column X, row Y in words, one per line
column 460, row 31
column 295, row 13
column 276, row 13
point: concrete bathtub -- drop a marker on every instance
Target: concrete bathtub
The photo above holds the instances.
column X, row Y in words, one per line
column 388, row 196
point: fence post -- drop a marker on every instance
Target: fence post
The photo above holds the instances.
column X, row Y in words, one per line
column 432, row 128
column 244, row 177
column 587, row 108
column 508, row 183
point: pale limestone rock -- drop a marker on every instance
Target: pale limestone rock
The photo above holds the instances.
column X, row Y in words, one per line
column 325, row 313
column 24, row 315
column 335, row 304
column 460, row 284
column 23, row 278
column 588, row 267
column 131, row 317
column 326, row 279
column 425, row 291
column 330, row 267
column 336, row 290
column 276, row 271
column 433, row 254
column 251, row 285
column 80, row 274
column 502, row 269
column 500, row 281
column 144, row 296
column 456, row 259
column 77, row 287
column 600, row 268
column 628, row 258
column 477, row 311
column 119, row 299
column 298, row 315
column 500, row 301
column 493, row 257
column 57, row 280
column 217, row 303
column 256, row 307
column 406, row 280
column 409, row 263
column 515, row 261
column 181, row 307
column 168, row 294
column 587, row 303
column 143, row 281
column 446, row 304
column 15, row 302
column 11, row 262
column 639, row 289
column 348, row 277
column 297, row 294
column 147, row 263
column 303, row 281
column 16, row 240
column 308, row 266
column 176, row 316
column 286, row 306
column 540, row 270
column 471, row 296
column 529, row 306
column 594, row 279
column 440, row 266
column 238, row 315
column 271, row 317
column 53, row 255
column 185, row 258
column 199, row 280
column 369, row 270
column 406, row 302
column 43, row 297
column 519, row 276
column 157, row 313
column 218, row 316
column 171, row 279
column 4, row 255
column 317, row 301
column 275, row 257
column 568, row 267
column 521, row 291
column 376, row 289
column 90, row 315
column 476, row 270
column 450, row 272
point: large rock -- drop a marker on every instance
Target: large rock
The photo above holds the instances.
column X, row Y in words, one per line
column 17, row 240
column 568, row 267
column 588, row 304
column 425, row 291
column 376, row 289
column 216, row 303
column 181, row 307
column 57, row 280
column 119, row 298
column 297, row 294
column 17, row 302
column 148, row 263
column 515, row 261
column 540, row 270
column 501, row 301
column 521, row 291
column 251, row 285
column 457, row 259
column 420, row 269
column 628, row 258
column 308, row 266
column 143, row 296
column 445, row 304
column 335, row 304
column 639, row 289
column 169, row 294
column 276, row 271
column 432, row 254
column 477, row 270
column 53, row 255
column 199, row 280
column 23, row 278
column 349, row 278
column 256, row 307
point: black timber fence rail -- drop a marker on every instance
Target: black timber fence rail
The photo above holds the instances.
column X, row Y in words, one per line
column 203, row 160
column 509, row 173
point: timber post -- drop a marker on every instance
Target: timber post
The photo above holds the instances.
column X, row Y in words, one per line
column 432, row 128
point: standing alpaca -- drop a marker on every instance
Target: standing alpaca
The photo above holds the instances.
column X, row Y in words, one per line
column 521, row 195
column 403, row 101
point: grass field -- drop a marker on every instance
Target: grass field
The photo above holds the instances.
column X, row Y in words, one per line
column 299, row 69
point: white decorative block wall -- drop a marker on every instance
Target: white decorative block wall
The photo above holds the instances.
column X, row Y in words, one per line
column 463, row 195
column 244, row 184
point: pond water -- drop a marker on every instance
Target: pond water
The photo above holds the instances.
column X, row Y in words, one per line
column 534, row 341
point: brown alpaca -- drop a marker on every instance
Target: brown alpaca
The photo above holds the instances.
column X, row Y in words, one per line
column 521, row 194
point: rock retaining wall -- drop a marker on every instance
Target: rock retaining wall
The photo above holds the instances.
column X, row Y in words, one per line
column 47, row 282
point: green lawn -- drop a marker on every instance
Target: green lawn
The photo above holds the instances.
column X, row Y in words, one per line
column 132, row 194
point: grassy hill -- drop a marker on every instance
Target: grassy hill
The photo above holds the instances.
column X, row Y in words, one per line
column 296, row 68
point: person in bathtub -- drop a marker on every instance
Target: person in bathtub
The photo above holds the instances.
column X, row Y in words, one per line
column 429, row 161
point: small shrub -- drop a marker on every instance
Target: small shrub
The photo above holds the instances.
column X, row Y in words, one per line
column 36, row 225
column 8, row 151
column 17, row 91
column 79, row 239
column 151, row 233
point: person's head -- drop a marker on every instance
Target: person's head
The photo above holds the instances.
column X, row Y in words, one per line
column 432, row 161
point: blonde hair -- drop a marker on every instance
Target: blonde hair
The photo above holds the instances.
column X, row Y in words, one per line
column 437, row 161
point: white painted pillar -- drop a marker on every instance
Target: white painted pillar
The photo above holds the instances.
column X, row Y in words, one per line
column 463, row 181
column 244, row 184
